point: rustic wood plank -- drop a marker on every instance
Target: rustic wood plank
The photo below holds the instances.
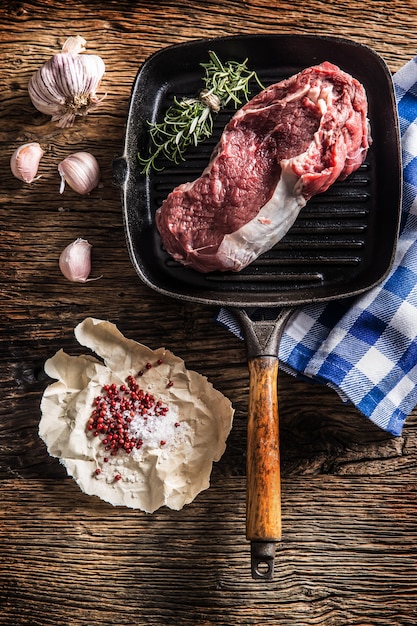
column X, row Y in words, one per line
column 368, row 575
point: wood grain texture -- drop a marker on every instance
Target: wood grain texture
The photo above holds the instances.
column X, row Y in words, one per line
column 349, row 496
column 263, row 512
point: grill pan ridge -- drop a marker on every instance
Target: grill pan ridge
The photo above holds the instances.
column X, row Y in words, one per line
column 342, row 244
column 332, row 231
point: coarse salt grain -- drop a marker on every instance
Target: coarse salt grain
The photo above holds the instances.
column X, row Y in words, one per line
column 153, row 430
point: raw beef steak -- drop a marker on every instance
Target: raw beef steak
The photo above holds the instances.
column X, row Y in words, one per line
column 291, row 141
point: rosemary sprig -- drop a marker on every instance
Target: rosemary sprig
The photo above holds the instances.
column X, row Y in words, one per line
column 189, row 121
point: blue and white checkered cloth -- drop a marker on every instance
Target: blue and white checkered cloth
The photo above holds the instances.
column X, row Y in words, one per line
column 367, row 350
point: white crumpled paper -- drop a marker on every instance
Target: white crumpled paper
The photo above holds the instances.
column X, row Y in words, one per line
column 171, row 474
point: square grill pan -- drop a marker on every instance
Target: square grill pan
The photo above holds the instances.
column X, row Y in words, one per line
column 343, row 240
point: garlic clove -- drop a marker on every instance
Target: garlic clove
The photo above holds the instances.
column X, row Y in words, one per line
column 65, row 86
column 25, row 160
column 81, row 171
column 74, row 45
column 75, row 261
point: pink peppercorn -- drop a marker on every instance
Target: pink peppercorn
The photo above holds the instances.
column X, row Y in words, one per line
column 114, row 411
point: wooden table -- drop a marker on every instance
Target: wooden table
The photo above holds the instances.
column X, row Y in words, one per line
column 348, row 554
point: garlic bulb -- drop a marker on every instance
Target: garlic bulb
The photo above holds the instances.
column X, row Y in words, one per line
column 81, row 171
column 25, row 160
column 65, row 86
column 75, row 261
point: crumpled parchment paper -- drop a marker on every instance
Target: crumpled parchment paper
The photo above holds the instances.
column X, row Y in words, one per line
column 156, row 475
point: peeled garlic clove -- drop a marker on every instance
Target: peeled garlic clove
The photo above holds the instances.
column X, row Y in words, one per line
column 81, row 171
column 75, row 261
column 65, row 86
column 25, row 161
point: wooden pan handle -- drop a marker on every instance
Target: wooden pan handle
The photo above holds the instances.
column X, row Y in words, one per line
column 263, row 500
column 263, row 493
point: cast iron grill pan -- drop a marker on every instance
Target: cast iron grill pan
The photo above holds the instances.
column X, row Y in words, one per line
column 341, row 245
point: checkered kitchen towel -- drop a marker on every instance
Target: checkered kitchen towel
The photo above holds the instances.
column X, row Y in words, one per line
column 367, row 349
